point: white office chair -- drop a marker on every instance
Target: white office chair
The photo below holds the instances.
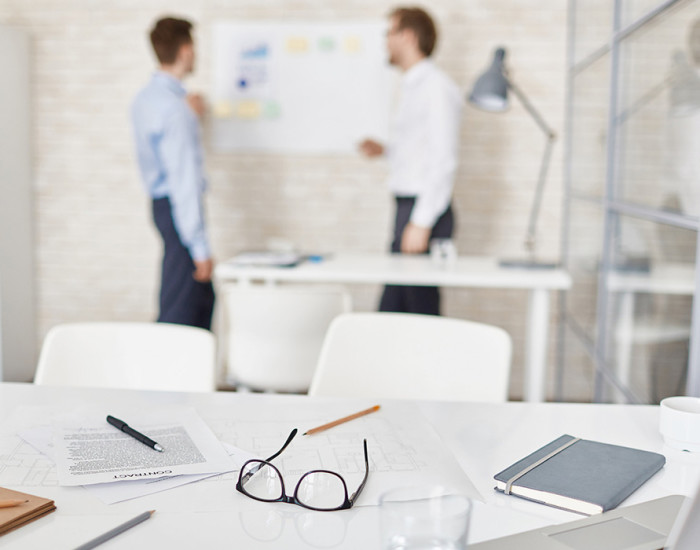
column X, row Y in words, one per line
column 402, row 356
column 275, row 333
column 148, row 356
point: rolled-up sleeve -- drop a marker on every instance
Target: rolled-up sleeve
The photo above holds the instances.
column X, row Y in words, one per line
column 181, row 160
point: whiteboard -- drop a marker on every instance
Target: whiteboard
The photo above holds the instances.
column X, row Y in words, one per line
column 299, row 87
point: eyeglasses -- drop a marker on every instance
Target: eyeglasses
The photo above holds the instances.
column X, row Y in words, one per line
column 317, row 490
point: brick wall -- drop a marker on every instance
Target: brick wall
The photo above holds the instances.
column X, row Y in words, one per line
column 97, row 253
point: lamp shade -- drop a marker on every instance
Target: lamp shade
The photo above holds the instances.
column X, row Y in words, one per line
column 490, row 91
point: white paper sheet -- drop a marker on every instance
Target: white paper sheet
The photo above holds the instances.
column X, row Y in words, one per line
column 89, row 450
column 403, row 447
column 41, row 438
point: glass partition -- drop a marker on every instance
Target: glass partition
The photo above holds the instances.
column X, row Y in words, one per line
column 650, row 295
column 632, row 203
column 592, row 21
column 589, row 121
column 658, row 160
column 585, row 245
column 631, row 11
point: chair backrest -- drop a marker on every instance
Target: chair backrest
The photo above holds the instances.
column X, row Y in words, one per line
column 275, row 333
column 148, row 356
column 402, row 356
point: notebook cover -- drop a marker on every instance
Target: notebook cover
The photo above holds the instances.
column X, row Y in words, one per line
column 588, row 471
column 36, row 507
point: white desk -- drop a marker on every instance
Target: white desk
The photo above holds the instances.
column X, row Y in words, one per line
column 465, row 272
column 210, row 514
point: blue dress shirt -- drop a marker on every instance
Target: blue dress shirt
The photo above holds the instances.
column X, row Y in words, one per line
column 169, row 150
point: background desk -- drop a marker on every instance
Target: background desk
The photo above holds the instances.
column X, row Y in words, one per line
column 210, row 514
column 465, row 272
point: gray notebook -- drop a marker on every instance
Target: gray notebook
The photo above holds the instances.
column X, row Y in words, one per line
column 579, row 475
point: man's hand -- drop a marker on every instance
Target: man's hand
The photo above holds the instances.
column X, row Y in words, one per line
column 414, row 239
column 203, row 270
column 197, row 104
column 371, row 148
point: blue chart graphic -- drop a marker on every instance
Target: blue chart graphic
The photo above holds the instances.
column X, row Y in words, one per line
column 259, row 51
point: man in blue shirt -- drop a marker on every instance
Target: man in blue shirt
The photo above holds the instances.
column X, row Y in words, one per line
column 169, row 149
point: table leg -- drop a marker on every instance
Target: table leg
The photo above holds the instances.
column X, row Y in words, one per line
column 536, row 345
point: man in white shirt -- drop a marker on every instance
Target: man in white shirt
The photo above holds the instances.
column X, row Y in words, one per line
column 422, row 153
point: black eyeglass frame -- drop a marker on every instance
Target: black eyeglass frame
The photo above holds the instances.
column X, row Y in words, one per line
column 347, row 503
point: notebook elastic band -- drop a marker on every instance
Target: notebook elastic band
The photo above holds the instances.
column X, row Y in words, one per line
column 534, row 465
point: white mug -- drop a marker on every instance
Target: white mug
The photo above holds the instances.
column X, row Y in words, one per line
column 679, row 422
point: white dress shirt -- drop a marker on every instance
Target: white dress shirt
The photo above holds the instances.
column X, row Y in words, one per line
column 424, row 146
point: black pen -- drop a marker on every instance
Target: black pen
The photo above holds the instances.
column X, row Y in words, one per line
column 123, row 426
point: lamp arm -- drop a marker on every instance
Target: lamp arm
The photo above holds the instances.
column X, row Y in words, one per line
column 530, row 236
column 530, row 108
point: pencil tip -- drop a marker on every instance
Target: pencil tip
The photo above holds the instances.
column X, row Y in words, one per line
column 151, row 512
column 304, row 433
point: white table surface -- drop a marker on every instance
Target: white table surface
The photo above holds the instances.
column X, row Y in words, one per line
column 484, row 438
column 464, row 272
column 401, row 269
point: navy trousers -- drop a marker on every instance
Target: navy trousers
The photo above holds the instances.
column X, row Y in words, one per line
column 414, row 299
column 183, row 300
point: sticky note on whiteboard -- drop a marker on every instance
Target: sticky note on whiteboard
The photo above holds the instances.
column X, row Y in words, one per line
column 297, row 44
column 352, row 44
column 248, row 109
column 326, row 44
column 223, row 109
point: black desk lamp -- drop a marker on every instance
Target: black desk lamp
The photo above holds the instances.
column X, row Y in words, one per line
column 490, row 93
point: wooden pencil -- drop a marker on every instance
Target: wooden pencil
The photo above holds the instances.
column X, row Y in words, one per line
column 341, row 420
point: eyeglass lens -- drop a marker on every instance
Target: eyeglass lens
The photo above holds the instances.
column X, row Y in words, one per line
column 262, row 481
column 319, row 490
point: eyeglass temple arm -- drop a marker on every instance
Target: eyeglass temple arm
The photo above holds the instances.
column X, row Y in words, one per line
column 255, row 469
column 364, row 480
column 286, row 443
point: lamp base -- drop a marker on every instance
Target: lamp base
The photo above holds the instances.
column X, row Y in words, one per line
column 524, row 263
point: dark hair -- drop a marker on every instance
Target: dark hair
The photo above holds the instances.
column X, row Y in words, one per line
column 167, row 36
column 418, row 20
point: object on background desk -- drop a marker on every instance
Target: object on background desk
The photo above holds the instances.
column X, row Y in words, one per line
column 424, row 517
column 267, row 258
column 118, row 530
column 30, row 508
column 443, row 252
column 583, row 476
column 679, row 422
column 138, row 436
column 341, row 420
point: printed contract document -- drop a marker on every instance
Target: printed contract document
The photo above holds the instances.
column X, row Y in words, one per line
column 96, row 452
